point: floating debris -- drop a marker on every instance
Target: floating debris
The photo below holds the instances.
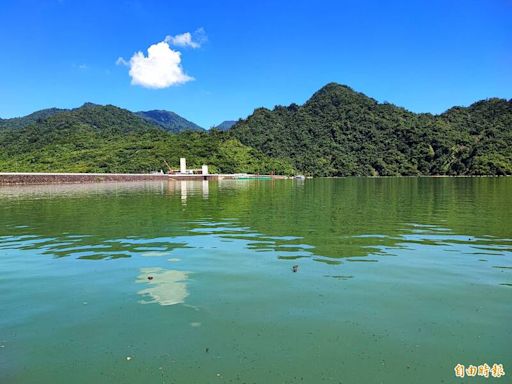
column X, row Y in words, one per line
column 295, row 268
column 128, row 358
column 339, row 277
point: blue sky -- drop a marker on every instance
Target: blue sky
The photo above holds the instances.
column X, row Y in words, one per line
column 422, row 55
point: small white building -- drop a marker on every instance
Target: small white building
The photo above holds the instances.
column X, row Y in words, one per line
column 185, row 171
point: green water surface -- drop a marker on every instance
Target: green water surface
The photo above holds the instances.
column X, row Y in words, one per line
column 398, row 281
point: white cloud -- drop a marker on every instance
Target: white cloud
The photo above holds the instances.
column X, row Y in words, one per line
column 187, row 39
column 183, row 40
column 161, row 68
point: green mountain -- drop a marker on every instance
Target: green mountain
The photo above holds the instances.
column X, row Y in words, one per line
column 340, row 132
column 169, row 121
column 20, row 122
column 166, row 120
column 95, row 138
column 337, row 132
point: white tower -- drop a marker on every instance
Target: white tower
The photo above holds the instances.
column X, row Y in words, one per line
column 183, row 165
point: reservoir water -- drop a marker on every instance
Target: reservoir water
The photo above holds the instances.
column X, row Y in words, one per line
column 398, row 280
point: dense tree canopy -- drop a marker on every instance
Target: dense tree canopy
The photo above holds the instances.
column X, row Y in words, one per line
column 339, row 132
column 20, row 122
column 109, row 139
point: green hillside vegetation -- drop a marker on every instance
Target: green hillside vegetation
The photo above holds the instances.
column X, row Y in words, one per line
column 110, row 139
column 167, row 120
column 339, row 132
column 20, row 122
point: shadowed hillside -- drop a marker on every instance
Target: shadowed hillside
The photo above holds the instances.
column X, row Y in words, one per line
column 169, row 121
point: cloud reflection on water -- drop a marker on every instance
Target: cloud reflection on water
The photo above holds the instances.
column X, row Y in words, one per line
column 165, row 286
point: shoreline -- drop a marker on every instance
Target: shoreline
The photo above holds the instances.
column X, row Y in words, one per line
column 37, row 178
column 26, row 178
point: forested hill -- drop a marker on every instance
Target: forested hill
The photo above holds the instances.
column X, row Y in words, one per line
column 95, row 138
column 340, row 132
column 337, row 132
column 20, row 122
column 166, row 120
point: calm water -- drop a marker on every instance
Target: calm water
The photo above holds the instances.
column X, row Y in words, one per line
column 398, row 281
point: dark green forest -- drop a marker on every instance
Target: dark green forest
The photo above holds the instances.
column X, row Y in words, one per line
column 96, row 138
column 337, row 132
column 340, row 132
column 20, row 122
